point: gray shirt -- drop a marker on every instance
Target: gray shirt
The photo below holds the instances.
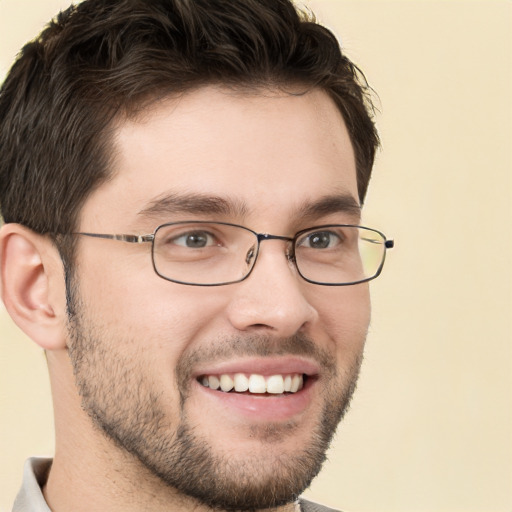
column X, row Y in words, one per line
column 30, row 498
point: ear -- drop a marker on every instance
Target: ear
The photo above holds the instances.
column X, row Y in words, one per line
column 32, row 285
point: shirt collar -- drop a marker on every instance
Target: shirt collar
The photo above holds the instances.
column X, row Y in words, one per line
column 30, row 498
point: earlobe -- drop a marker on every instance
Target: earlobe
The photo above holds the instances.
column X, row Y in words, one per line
column 32, row 285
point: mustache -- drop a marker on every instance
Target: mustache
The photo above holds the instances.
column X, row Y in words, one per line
column 252, row 346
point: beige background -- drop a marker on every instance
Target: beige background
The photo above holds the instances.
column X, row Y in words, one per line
column 430, row 428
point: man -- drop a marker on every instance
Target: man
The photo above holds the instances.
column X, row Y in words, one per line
column 181, row 185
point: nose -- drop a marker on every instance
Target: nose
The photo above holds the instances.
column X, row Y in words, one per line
column 273, row 298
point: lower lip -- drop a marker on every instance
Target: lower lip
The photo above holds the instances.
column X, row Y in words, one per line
column 263, row 408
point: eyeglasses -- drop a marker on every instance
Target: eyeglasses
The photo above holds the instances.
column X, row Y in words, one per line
column 218, row 253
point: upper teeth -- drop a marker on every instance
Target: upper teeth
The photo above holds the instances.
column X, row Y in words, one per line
column 254, row 383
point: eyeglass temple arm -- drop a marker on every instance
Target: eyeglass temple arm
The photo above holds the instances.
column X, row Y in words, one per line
column 134, row 239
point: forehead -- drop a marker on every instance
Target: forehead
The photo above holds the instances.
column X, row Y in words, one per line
column 263, row 154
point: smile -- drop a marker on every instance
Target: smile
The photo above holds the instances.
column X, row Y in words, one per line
column 254, row 383
column 259, row 389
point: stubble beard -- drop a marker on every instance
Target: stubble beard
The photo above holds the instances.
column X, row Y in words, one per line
column 128, row 408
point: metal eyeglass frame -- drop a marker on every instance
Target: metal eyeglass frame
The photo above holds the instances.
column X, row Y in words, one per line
column 150, row 238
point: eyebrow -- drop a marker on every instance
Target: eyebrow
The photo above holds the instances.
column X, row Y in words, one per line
column 336, row 203
column 171, row 203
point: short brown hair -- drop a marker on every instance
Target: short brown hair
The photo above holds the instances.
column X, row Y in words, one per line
column 103, row 58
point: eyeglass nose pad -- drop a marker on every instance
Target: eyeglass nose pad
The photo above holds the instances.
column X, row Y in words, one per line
column 250, row 255
column 290, row 253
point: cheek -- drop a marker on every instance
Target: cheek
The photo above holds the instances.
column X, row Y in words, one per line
column 136, row 305
column 181, row 317
column 345, row 316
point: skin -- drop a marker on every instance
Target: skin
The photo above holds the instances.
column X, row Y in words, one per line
column 144, row 339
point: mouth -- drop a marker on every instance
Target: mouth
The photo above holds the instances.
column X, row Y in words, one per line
column 259, row 389
column 254, row 383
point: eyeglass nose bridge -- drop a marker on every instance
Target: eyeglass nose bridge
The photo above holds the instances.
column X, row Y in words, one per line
column 290, row 251
column 266, row 236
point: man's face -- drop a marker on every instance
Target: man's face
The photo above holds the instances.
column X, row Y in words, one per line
column 142, row 347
